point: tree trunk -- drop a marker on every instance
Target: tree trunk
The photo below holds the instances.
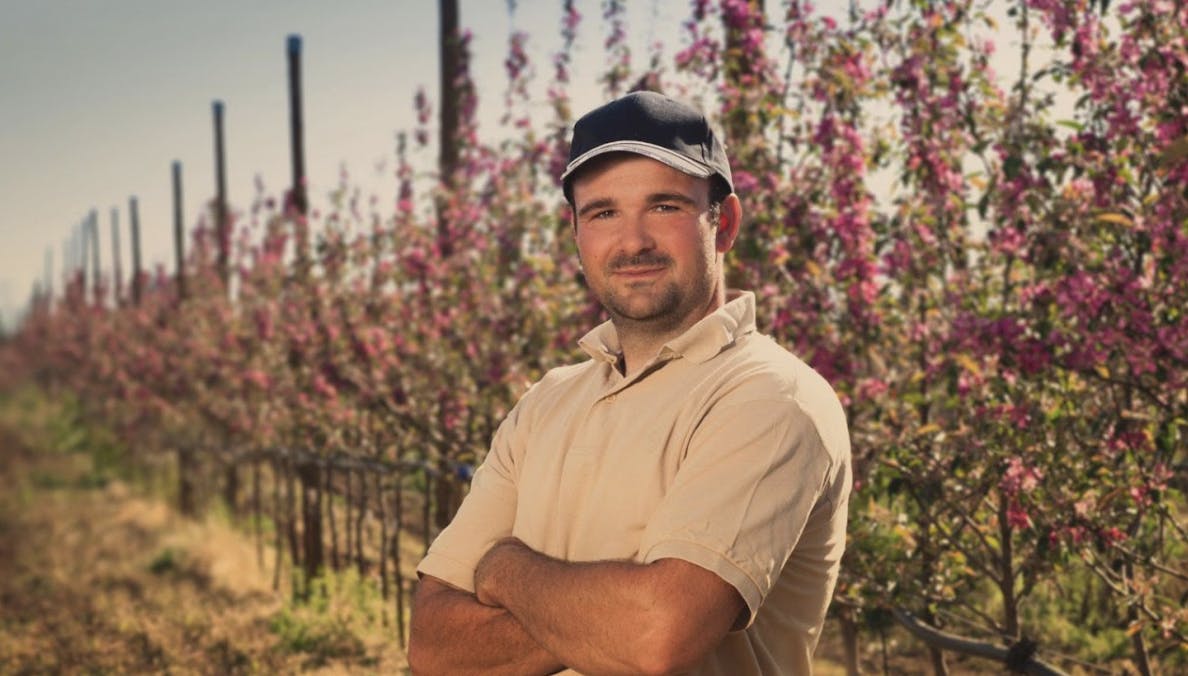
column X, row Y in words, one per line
column 335, row 561
column 360, row 516
column 426, row 507
column 257, row 525
column 936, row 655
column 398, row 516
column 291, row 514
column 187, row 502
column 1142, row 658
column 382, row 515
column 939, row 667
column 849, row 640
column 446, row 496
column 231, row 489
column 278, row 524
column 1006, row 584
column 348, row 547
column 313, row 556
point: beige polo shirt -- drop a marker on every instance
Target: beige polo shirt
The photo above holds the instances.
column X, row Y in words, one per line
column 726, row 451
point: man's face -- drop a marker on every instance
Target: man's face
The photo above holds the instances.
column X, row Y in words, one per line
column 646, row 242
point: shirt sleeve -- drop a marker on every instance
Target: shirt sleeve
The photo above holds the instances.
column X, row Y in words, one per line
column 487, row 513
column 751, row 477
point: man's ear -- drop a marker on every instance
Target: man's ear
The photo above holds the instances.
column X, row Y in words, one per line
column 729, row 222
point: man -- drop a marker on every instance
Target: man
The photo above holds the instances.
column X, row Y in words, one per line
column 676, row 503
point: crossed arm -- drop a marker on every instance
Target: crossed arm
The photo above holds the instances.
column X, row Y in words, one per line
column 452, row 633
column 535, row 614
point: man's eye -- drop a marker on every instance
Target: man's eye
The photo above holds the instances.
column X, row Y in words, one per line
column 606, row 213
column 666, row 207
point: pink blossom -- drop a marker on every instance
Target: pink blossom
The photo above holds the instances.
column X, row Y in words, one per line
column 1111, row 536
column 1017, row 517
column 257, row 378
column 1018, row 477
column 323, row 387
column 870, row 388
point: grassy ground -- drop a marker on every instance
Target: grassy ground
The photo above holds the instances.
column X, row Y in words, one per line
column 95, row 578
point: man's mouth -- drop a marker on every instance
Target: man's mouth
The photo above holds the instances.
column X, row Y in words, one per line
column 638, row 271
column 638, row 267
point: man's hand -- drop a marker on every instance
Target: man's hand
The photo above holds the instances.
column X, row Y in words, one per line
column 610, row 616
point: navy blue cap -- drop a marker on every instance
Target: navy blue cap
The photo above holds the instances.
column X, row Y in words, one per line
column 652, row 125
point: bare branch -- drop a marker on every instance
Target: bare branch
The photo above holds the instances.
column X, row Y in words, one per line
column 959, row 644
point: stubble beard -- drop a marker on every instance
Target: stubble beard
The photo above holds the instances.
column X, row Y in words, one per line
column 660, row 314
column 666, row 310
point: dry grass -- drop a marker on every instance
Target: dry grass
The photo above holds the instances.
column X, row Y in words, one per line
column 97, row 579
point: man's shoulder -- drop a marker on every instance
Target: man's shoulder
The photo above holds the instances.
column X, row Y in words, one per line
column 763, row 370
column 759, row 360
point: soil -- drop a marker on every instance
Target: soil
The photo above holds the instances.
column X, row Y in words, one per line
column 95, row 578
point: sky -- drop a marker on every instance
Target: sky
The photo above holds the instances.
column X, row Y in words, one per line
column 98, row 99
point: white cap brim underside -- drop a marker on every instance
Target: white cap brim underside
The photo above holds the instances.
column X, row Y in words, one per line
column 660, row 154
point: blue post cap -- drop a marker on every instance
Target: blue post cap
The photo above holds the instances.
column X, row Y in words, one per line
column 294, row 43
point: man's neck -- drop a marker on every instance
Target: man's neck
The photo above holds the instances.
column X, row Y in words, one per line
column 640, row 342
column 638, row 349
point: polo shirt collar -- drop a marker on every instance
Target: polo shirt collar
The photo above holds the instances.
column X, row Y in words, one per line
column 699, row 343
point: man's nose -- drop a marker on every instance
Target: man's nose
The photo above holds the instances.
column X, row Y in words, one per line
column 636, row 236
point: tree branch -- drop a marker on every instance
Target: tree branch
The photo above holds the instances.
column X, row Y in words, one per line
column 959, row 644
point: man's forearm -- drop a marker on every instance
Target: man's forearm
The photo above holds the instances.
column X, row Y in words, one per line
column 452, row 633
column 610, row 616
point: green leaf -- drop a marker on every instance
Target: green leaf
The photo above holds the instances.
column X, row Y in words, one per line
column 1011, row 166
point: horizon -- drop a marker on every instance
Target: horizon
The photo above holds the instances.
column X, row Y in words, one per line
column 100, row 100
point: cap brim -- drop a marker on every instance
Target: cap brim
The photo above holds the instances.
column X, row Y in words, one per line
column 672, row 158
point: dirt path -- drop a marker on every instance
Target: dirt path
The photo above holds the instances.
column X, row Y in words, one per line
column 96, row 579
